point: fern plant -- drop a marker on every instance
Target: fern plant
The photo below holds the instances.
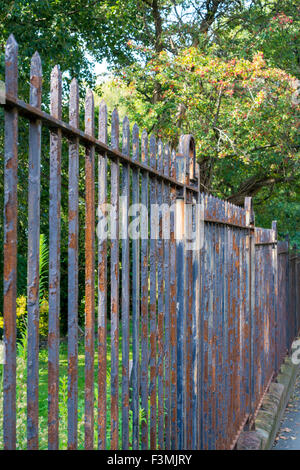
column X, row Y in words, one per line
column 44, row 260
column 43, row 281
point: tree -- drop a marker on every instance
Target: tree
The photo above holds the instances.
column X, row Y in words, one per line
column 243, row 115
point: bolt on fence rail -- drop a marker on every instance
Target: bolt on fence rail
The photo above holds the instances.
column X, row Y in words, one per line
column 195, row 335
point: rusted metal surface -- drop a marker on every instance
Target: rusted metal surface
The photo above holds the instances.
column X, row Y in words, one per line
column 196, row 319
column 226, row 334
column 210, row 326
column 135, row 298
column 54, row 261
column 167, row 267
column 153, row 290
column 180, row 304
column 173, row 317
column 283, row 333
column 89, row 274
column 10, row 247
column 144, row 293
column 114, row 271
column 102, row 284
column 34, row 165
column 73, row 271
column 160, row 306
column 125, row 191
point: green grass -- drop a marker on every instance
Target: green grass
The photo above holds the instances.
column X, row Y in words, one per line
column 63, row 394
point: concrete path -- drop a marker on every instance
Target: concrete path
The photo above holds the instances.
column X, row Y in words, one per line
column 288, row 437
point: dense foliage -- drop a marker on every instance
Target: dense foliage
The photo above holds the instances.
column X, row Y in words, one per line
column 243, row 114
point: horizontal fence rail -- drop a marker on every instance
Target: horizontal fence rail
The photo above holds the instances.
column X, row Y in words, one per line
column 189, row 309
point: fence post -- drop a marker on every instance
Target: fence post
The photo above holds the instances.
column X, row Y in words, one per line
column 102, row 283
column 73, row 223
column 275, row 278
column 250, row 221
column 54, row 260
column 173, row 302
column 196, row 315
column 33, row 257
column 275, row 281
column 181, row 314
column 187, row 149
column 10, row 246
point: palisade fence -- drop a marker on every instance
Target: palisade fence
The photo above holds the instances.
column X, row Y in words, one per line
column 196, row 335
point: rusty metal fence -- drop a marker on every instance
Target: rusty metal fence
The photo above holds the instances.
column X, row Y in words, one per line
column 196, row 335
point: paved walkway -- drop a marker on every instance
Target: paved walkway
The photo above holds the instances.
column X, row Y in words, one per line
column 288, row 437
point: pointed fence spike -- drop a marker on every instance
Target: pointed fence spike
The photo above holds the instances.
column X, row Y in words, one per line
column 11, row 66
column 102, row 124
column 173, row 164
column 115, row 129
column 56, row 92
column 135, row 142
column 74, row 104
column 36, row 81
column 144, row 147
column 166, row 160
column 126, row 137
column 152, row 151
column 89, row 113
column 160, row 149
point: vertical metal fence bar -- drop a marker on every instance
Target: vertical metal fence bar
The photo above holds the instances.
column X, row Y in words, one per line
column 10, row 247
column 203, row 332
column 173, row 319
column 214, row 398
column 73, row 271
column 231, row 396
column 252, row 284
column 153, row 291
column 34, row 165
column 188, row 297
column 210, row 398
column 135, row 299
column 200, row 241
column 144, row 293
column 160, row 306
column 115, row 189
column 54, row 261
column 195, row 325
column 243, row 320
column 89, row 273
column 102, row 281
column 223, row 364
column 125, row 287
column 180, row 304
column 166, row 242
column 204, row 305
column 275, row 297
column 237, row 300
column 258, row 328
column 218, row 331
